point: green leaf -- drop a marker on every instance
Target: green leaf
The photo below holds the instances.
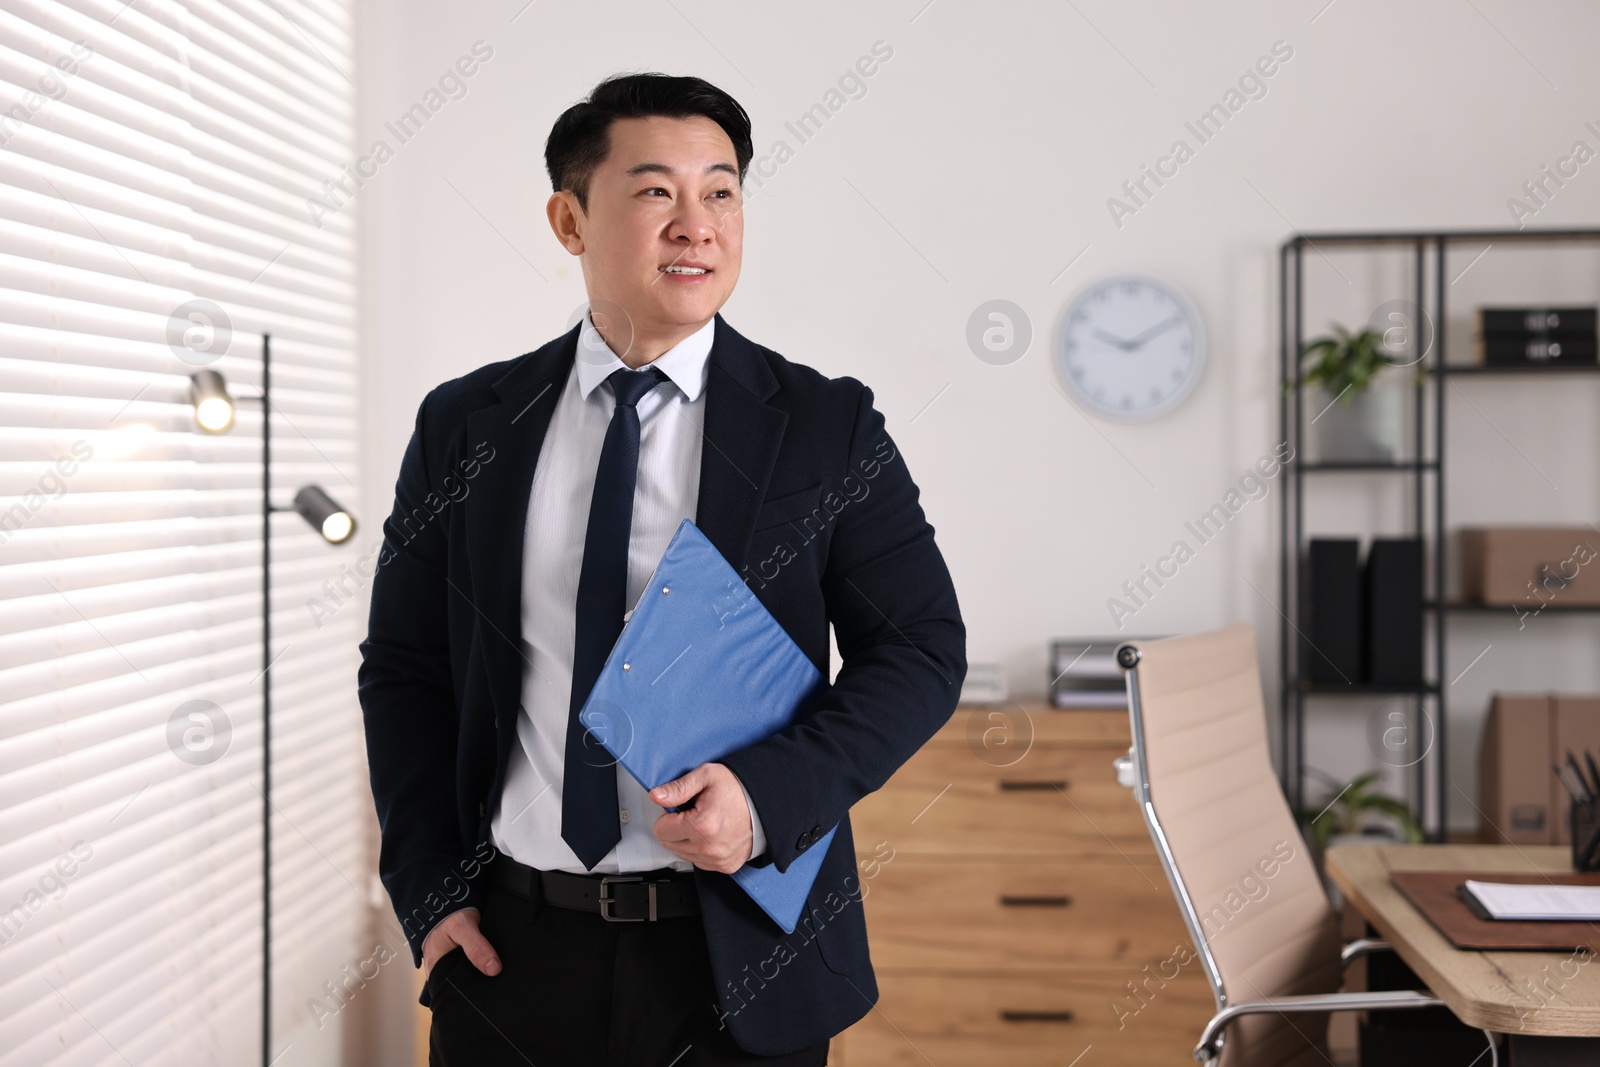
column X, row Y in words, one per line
column 1401, row 813
column 1344, row 364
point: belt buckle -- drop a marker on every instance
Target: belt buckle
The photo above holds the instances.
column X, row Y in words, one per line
column 606, row 899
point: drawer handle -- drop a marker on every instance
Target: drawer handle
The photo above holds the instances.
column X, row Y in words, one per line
column 1021, row 784
column 1010, row 901
column 1035, row 1016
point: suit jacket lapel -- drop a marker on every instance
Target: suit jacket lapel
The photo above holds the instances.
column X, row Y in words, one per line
column 740, row 447
column 497, row 509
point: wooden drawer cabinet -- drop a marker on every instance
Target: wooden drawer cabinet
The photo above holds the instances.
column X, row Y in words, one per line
column 1015, row 909
column 1054, row 800
column 1012, row 913
column 1044, row 1019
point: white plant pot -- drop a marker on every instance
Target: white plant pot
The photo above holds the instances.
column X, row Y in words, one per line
column 1363, row 428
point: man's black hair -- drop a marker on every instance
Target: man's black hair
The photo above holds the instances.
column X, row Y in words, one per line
column 580, row 140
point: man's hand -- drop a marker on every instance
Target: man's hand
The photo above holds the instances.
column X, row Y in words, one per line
column 460, row 928
column 715, row 834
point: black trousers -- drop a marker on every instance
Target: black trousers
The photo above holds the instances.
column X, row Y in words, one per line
column 578, row 991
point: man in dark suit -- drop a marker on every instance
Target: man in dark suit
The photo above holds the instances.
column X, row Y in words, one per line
column 563, row 916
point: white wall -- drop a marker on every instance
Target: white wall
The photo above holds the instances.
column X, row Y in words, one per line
column 977, row 165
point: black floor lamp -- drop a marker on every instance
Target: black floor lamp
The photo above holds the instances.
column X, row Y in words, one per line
column 214, row 409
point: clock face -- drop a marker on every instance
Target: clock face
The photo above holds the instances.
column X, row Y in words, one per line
column 1130, row 347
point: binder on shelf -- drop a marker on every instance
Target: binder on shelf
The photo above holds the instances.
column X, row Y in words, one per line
column 702, row 669
column 1558, row 321
column 1332, row 648
column 1392, row 601
column 1551, row 336
column 1535, row 350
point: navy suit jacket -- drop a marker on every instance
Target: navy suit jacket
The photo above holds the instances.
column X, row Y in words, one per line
column 803, row 491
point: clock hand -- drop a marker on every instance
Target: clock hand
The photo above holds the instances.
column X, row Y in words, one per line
column 1110, row 340
column 1153, row 331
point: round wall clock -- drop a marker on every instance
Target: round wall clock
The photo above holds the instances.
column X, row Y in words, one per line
column 1130, row 347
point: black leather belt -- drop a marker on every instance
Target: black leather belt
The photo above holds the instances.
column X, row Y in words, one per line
column 618, row 898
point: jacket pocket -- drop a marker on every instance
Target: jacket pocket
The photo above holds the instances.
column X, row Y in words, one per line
column 835, row 905
column 778, row 510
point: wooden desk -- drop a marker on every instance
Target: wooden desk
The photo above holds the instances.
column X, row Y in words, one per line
column 1555, row 994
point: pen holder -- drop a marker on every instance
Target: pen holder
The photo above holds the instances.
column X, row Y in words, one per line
column 1585, row 822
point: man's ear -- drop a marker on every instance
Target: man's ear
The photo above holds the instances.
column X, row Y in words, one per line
column 567, row 220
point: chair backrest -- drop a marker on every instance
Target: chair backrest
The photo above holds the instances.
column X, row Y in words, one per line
column 1243, row 875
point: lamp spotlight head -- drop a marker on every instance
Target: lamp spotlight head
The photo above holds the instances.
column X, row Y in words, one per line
column 213, row 407
column 324, row 514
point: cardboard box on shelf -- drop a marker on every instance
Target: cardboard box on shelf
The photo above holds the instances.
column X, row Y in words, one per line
column 1519, row 797
column 1514, row 775
column 1531, row 566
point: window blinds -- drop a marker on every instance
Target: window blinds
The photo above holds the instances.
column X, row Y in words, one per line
column 156, row 161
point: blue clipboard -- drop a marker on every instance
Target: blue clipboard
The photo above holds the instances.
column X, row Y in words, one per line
column 700, row 670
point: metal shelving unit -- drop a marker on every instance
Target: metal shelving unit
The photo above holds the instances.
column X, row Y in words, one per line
column 1426, row 469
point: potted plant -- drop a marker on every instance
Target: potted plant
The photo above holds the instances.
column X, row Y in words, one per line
column 1358, row 813
column 1352, row 421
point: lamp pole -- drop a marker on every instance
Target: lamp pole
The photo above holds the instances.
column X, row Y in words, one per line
column 266, row 699
column 209, row 394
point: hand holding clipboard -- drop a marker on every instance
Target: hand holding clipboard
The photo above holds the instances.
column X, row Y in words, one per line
column 700, row 670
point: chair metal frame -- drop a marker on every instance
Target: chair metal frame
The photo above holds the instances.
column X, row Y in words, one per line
column 1133, row 769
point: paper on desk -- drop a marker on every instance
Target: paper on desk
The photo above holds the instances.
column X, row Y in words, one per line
column 1555, row 903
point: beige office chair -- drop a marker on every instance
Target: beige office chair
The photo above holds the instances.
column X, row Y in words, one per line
column 1245, row 881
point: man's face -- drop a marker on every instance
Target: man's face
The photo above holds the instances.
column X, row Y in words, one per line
column 667, row 195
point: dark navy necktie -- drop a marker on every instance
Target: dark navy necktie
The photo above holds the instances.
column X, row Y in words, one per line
column 589, row 820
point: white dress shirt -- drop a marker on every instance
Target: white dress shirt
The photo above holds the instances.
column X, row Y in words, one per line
column 527, row 821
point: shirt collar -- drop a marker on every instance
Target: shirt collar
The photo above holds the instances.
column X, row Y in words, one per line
column 684, row 363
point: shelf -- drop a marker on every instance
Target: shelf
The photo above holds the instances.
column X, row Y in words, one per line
column 1430, row 254
column 1371, row 465
column 1364, row 689
column 1490, row 609
column 1447, row 236
column 1521, row 368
